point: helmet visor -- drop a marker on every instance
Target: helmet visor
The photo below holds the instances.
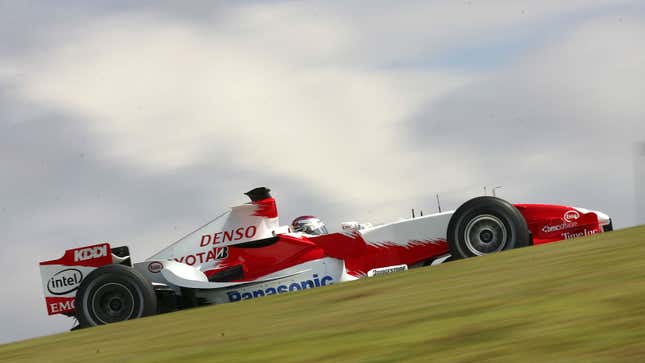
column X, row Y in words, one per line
column 320, row 229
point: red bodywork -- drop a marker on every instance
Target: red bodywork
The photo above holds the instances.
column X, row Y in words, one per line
column 550, row 223
column 547, row 223
column 359, row 256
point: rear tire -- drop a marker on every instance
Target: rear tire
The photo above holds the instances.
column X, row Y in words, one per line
column 486, row 225
column 114, row 293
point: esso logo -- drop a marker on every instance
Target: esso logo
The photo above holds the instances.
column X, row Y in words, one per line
column 155, row 267
column 571, row 216
column 90, row 253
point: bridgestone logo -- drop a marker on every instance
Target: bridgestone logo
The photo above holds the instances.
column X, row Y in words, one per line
column 90, row 253
column 387, row 270
column 221, row 253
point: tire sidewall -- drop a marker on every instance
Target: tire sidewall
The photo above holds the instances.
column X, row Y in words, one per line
column 144, row 300
column 511, row 218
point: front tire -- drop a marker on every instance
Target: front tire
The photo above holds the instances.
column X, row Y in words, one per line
column 486, row 225
column 114, row 293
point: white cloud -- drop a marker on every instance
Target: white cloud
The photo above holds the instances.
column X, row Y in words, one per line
column 560, row 125
column 166, row 97
column 281, row 90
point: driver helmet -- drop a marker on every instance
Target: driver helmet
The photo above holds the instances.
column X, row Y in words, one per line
column 309, row 225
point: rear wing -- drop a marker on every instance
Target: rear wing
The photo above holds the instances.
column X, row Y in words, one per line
column 62, row 277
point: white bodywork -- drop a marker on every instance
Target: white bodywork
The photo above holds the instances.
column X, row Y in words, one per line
column 316, row 273
column 235, row 226
column 431, row 227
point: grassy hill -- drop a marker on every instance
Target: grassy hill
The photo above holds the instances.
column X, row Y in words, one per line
column 573, row 301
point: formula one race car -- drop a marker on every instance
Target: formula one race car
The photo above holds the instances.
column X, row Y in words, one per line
column 245, row 254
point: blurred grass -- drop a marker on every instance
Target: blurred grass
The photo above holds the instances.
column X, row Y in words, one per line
column 574, row 301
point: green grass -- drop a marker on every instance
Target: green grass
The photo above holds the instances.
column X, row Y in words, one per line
column 573, row 301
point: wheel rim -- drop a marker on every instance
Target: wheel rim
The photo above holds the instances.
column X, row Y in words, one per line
column 112, row 302
column 485, row 234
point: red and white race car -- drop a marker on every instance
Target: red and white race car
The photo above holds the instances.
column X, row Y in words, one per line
column 245, row 254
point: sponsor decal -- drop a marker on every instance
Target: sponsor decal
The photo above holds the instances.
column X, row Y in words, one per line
column 571, row 216
column 221, row 253
column 558, row 227
column 217, row 253
column 155, row 267
column 61, row 306
column 228, row 236
column 280, row 289
column 386, row 270
column 90, row 253
column 585, row 232
column 65, row 281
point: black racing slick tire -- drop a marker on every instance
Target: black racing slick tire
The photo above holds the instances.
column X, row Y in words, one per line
column 486, row 225
column 114, row 293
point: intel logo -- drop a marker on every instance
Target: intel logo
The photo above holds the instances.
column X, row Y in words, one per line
column 65, row 281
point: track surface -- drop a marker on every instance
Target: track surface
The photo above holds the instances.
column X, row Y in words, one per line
column 573, row 301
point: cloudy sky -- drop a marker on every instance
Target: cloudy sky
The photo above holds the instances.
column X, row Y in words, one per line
column 135, row 123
